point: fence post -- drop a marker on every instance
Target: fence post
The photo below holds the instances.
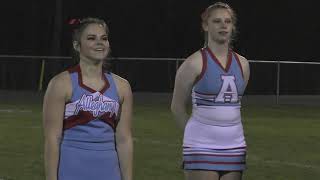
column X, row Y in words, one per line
column 41, row 75
column 278, row 82
column 177, row 64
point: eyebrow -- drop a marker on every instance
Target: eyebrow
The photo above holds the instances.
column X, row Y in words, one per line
column 222, row 18
column 218, row 18
column 104, row 35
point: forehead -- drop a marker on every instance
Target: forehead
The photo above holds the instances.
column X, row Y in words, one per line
column 220, row 13
column 96, row 29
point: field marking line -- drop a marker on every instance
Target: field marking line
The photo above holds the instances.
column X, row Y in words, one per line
column 14, row 111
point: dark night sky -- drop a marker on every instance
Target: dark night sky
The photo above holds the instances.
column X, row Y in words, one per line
column 285, row 30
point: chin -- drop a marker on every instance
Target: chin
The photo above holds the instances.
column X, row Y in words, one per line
column 99, row 57
column 222, row 41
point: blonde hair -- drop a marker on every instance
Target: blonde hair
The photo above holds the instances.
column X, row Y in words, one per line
column 219, row 5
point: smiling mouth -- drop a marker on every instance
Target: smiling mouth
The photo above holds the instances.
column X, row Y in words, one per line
column 99, row 49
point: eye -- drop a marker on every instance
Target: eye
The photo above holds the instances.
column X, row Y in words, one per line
column 228, row 21
column 105, row 38
column 216, row 20
column 91, row 38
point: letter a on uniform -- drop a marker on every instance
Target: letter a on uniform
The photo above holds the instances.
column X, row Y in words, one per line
column 228, row 92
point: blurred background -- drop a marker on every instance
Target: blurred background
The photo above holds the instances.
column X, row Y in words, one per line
column 142, row 31
column 149, row 40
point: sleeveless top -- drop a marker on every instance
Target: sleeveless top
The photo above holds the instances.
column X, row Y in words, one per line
column 91, row 117
column 217, row 93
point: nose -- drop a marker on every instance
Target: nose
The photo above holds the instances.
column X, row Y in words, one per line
column 101, row 42
column 224, row 24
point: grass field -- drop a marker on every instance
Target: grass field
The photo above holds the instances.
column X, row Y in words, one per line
column 283, row 142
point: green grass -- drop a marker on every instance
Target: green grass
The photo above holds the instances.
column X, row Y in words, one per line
column 283, row 142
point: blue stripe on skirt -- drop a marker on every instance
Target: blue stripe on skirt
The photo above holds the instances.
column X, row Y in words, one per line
column 87, row 164
column 214, row 159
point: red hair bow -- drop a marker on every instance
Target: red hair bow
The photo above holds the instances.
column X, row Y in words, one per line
column 74, row 21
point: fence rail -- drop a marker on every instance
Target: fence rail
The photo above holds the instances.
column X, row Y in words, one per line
column 177, row 61
column 55, row 58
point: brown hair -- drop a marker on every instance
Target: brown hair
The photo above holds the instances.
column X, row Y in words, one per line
column 78, row 30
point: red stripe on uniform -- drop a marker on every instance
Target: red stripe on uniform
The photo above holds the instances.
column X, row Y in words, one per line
column 241, row 147
column 204, row 66
column 77, row 69
column 239, row 63
column 215, row 59
column 109, row 120
column 210, row 162
column 219, row 155
column 84, row 117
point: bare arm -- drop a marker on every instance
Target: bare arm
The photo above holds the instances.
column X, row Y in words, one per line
column 53, row 110
column 245, row 68
column 123, row 131
column 185, row 77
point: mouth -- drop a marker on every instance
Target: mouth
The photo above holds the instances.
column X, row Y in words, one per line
column 99, row 49
column 223, row 33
